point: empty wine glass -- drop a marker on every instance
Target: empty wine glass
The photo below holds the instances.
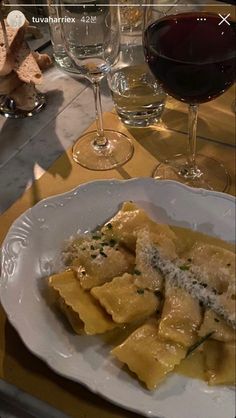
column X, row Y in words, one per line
column 91, row 34
column 191, row 52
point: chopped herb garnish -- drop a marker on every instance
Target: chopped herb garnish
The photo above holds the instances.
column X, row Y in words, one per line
column 109, row 225
column 102, row 253
column 184, row 267
column 137, row 272
column 158, row 293
column 198, row 343
column 216, row 320
column 112, row 242
column 93, row 255
column 140, row 291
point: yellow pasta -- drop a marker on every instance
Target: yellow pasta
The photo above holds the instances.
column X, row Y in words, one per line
column 148, row 356
column 115, row 281
column 181, row 317
column 213, row 323
column 217, row 264
column 72, row 316
column 128, row 221
column 150, row 278
column 220, row 362
column 100, row 265
column 124, row 301
column 79, row 305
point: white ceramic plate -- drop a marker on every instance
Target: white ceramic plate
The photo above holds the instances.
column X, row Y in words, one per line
column 35, row 240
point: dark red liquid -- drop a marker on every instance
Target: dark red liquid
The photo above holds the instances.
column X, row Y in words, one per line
column 194, row 59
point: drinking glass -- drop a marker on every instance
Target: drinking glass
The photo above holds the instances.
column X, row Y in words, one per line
column 192, row 54
column 131, row 16
column 61, row 58
column 138, row 97
column 91, row 35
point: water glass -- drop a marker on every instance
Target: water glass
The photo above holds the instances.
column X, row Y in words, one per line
column 139, row 99
column 61, row 58
column 131, row 16
column 93, row 44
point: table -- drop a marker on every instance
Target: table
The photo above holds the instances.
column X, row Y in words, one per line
column 35, row 144
column 29, row 146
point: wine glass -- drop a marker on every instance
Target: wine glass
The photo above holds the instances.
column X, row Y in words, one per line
column 192, row 54
column 91, row 35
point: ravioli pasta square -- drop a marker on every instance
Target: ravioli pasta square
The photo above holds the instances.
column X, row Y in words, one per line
column 79, row 305
column 106, row 265
column 125, row 225
column 150, row 277
column 124, row 301
column 181, row 317
column 148, row 356
column 72, row 316
column 213, row 323
column 98, row 260
column 219, row 270
column 220, row 372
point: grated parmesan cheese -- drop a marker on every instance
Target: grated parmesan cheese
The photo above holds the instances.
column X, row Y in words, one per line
column 192, row 280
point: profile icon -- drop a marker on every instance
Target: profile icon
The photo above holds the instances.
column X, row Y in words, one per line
column 16, row 19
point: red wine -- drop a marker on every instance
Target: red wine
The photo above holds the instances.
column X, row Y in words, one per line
column 192, row 55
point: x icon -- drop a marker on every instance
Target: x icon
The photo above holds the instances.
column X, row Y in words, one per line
column 224, row 19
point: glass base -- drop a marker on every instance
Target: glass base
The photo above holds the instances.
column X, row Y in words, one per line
column 141, row 119
column 9, row 109
column 117, row 152
column 210, row 174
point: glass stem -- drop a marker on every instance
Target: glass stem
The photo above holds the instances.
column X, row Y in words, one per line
column 101, row 140
column 192, row 138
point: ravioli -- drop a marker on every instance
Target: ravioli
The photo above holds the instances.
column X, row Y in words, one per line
column 72, row 316
column 97, row 261
column 219, row 270
column 150, row 278
column 125, row 225
column 114, row 281
column 213, row 323
column 148, row 356
column 81, row 308
column 124, row 301
column 181, row 317
column 228, row 300
column 220, row 372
